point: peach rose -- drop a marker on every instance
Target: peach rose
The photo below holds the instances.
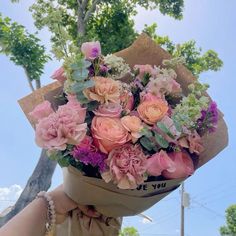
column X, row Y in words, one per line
column 105, row 90
column 44, row 109
column 109, row 110
column 108, row 133
column 152, row 111
column 133, row 124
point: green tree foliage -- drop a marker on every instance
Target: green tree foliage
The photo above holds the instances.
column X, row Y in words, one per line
column 196, row 61
column 23, row 49
column 230, row 228
column 172, row 8
column 108, row 21
column 129, row 231
column 113, row 27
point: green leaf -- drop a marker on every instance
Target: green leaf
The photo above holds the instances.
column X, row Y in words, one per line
column 161, row 141
column 163, row 127
column 146, row 143
column 63, row 162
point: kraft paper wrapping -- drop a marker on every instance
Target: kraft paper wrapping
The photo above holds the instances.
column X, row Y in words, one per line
column 108, row 199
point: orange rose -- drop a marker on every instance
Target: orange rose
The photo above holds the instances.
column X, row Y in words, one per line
column 108, row 133
column 152, row 111
column 105, row 90
column 133, row 124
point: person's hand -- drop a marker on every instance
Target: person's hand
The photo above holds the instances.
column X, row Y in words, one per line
column 63, row 204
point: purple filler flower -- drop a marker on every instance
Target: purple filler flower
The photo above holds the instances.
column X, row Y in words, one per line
column 87, row 156
column 209, row 118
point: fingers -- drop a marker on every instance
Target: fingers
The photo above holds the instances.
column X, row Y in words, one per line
column 89, row 211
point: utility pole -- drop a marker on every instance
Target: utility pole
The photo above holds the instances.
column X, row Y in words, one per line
column 182, row 210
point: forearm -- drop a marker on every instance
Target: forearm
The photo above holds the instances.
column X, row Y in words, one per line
column 29, row 222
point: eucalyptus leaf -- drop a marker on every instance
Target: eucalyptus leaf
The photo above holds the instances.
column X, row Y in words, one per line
column 146, row 143
column 163, row 127
column 161, row 141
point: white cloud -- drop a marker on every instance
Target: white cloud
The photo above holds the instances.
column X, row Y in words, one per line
column 9, row 195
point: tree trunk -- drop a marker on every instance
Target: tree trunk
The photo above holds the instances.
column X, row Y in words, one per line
column 40, row 180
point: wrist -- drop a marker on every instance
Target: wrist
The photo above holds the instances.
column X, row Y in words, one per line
column 51, row 214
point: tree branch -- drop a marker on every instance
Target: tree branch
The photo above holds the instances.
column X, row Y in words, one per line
column 38, row 83
column 29, row 80
column 40, row 180
column 84, row 4
column 91, row 10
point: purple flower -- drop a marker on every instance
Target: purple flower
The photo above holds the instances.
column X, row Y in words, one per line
column 90, row 157
column 103, row 69
column 209, row 119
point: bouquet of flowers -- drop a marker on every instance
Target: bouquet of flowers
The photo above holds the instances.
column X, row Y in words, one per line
column 129, row 131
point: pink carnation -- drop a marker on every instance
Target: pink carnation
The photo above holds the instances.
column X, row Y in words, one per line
column 91, row 50
column 74, row 107
column 63, row 127
column 127, row 166
column 59, row 75
column 159, row 162
column 183, row 166
column 109, row 110
column 42, row 110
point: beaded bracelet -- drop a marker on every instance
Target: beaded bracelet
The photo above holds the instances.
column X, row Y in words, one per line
column 51, row 214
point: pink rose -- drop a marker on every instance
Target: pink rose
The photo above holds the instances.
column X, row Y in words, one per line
column 58, row 129
column 127, row 166
column 108, row 133
column 159, row 162
column 59, row 75
column 42, row 110
column 145, row 69
column 183, row 164
column 109, row 110
column 148, row 97
column 91, row 50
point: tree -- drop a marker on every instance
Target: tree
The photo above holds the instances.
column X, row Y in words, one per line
column 105, row 20
column 230, row 228
column 195, row 61
column 23, row 49
column 129, row 231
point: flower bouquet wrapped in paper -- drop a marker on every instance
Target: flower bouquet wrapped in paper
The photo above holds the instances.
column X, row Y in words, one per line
column 126, row 128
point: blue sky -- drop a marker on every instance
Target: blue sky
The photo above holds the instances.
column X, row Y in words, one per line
column 212, row 188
